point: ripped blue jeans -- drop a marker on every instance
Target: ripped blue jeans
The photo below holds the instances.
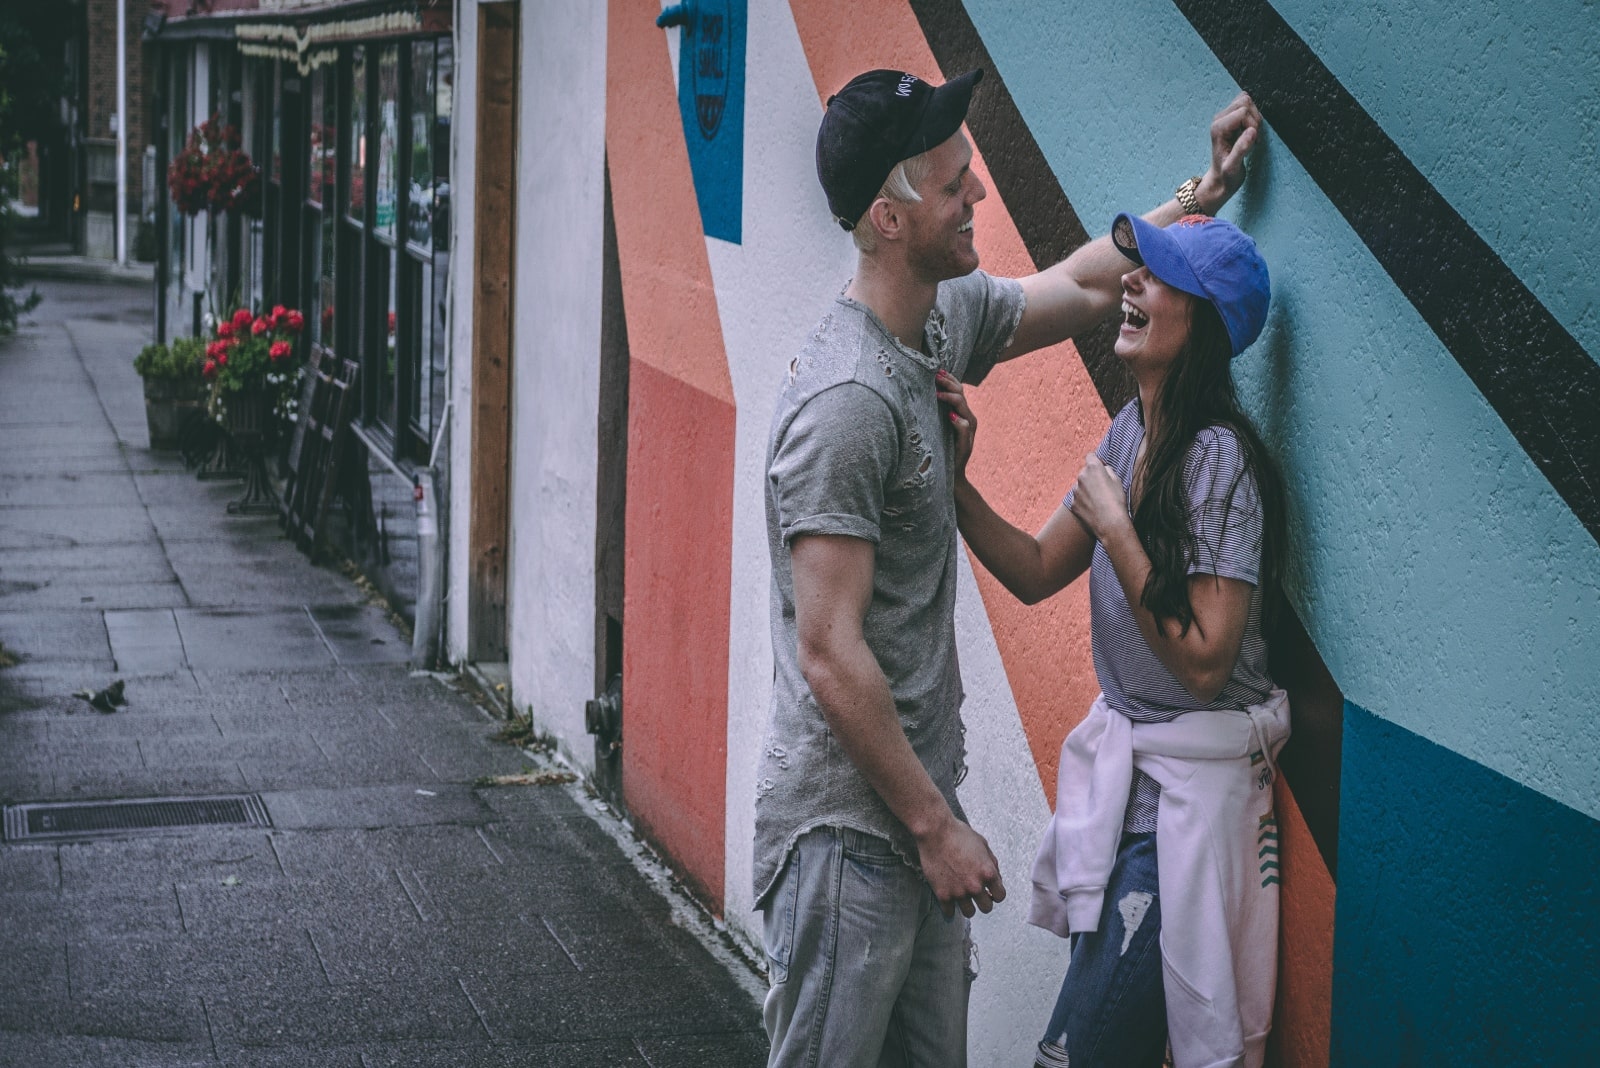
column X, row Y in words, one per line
column 866, row 972
column 1112, row 1009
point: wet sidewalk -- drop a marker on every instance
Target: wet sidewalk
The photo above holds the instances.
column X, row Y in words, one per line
column 393, row 908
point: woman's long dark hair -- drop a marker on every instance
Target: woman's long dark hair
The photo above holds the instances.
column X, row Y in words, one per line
column 1198, row 393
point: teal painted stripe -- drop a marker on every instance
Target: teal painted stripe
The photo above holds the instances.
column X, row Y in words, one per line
column 1467, row 923
column 1439, row 575
column 1497, row 104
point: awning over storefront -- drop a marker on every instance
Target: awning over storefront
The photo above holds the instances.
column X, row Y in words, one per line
column 307, row 33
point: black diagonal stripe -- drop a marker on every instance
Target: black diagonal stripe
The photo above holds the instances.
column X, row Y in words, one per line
column 1050, row 229
column 1538, row 379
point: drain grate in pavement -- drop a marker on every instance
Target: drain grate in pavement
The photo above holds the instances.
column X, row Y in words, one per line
column 99, row 819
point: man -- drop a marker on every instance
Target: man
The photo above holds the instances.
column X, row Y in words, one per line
column 863, row 855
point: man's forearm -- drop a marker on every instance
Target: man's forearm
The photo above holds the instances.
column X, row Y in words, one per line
column 854, row 697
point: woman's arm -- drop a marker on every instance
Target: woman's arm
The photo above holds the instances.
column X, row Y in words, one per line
column 1031, row 566
column 1202, row 657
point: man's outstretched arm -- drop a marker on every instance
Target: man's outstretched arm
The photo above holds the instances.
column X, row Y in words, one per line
column 1076, row 294
column 832, row 589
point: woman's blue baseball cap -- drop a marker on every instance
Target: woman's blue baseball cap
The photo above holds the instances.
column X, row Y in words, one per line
column 1208, row 258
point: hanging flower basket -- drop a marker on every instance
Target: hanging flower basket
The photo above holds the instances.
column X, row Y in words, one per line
column 213, row 173
column 256, row 355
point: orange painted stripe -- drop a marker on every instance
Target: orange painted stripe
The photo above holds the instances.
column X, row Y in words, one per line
column 679, row 523
column 1301, row 1020
column 1040, row 415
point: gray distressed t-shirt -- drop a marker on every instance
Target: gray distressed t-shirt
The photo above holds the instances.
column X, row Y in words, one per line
column 860, row 447
column 1225, row 515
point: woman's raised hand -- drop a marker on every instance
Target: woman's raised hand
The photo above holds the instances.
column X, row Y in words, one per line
column 1098, row 499
column 954, row 397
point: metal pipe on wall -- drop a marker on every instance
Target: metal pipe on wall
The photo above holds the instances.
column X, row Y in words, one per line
column 122, row 131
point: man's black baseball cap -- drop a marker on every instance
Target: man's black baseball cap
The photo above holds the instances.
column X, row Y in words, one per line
column 878, row 119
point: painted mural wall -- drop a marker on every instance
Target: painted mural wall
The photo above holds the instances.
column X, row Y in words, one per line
column 1424, row 196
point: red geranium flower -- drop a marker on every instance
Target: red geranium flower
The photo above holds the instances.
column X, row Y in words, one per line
column 259, row 327
column 241, row 318
column 216, row 348
column 225, row 328
column 210, row 369
column 222, row 359
column 279, row 350
column 295, row 321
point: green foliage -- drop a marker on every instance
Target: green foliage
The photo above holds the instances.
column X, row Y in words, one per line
column 179, row 362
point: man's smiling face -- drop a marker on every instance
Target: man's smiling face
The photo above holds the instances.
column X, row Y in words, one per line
column 939, row 227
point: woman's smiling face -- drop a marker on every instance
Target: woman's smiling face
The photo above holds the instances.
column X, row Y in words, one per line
column 1156, row 319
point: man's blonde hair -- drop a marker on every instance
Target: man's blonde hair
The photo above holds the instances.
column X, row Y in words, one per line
column 900, row 186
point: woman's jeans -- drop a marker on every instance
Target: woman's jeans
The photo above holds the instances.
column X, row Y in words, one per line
column 1112, row 1010
column 866, row 971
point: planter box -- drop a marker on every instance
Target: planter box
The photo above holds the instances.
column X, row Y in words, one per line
column 166, row 407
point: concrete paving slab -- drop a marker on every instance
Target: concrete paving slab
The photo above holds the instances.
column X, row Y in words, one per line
column 130, row 1015
column 380, row 756
column 91, row 866
column 361, row 634
column 65, row 635
column 298, row 1057
column 68, row 491
column 25, row 788
column 264, row 719
column 617, row 941
column 452, row 895
column 486, row 949
column 609, row 1053
column 260, row 958
column 375, row 806
column 213, row 746
column 35, row 965
column 94, row 1051
column 218, row 638
column 54, row 559
column 74, row 528
column 210, row 907
column 271, row 577
column 94, row 783
column 682, row 1001
column 308, row 855
column 426, row 1011
column 145, row 641
column 29, row 868
column 186, row 523
column 99, row 594
column 741, row 1049
column 87, row 729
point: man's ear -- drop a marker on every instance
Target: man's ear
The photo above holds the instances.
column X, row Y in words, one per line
column 885, row 217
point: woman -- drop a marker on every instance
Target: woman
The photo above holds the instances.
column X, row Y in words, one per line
column 1178, row 517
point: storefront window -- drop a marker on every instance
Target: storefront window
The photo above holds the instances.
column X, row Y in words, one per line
column 419, row 218
column 388, row 140
column 356, row 197
column 443, row 102
column 277, row 122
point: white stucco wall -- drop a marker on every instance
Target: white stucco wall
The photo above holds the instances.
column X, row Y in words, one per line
column 556, row 374
column 463, row 250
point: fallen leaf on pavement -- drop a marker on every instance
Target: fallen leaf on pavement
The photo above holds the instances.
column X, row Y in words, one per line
column 529, row 778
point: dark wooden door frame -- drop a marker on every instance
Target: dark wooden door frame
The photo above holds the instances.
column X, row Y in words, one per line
column 494, row 285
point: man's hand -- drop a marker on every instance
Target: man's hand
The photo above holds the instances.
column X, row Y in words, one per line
column 957, row 863
column 1234, row 133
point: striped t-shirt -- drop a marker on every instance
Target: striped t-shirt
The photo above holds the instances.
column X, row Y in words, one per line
column 1228, row 537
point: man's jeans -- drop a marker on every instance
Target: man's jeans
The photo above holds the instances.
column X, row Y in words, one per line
column 865, row 969
column 1112, row 1010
